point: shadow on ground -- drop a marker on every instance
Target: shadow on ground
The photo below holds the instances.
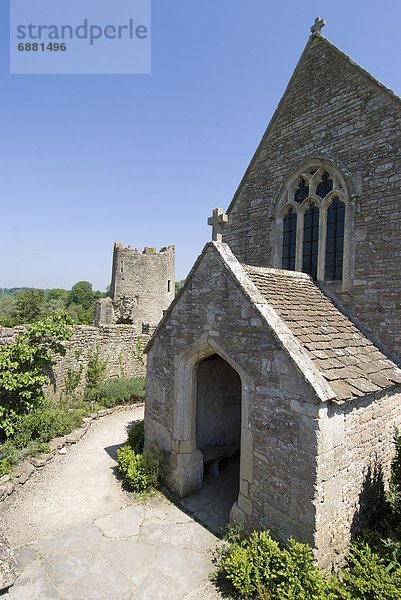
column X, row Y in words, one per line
column 211, row 506
column 112, row 450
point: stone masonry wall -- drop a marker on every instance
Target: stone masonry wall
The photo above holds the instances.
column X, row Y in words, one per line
column 117, row 344
column 335, row 112
column 143, row 283
column 355, row 452
column 279, row 409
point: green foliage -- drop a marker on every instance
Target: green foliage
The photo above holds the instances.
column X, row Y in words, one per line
column 72, row 380
column 45, row 423
column 81, row 294
column 24, row 365
column 80, row 315
column 395, row 480
column 120, row 391
column 139, row 351
column 367, row 577
column 136, row 437
column 258, row 567
column 139, row 471
column 4, row 467
column 95, row 374
column 7, row 310
column 29, row 306
column 178, row 285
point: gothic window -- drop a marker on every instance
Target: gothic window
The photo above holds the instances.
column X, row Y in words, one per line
column 289, row 240
column 325, row 186
column 311, row 241
column 315, row 218
column 302, row 192
column 335, row 240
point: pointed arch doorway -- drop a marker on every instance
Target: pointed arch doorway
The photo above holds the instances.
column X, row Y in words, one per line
column 217, row 399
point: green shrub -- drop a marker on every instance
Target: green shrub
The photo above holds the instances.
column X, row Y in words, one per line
column 46, row 423
column 24, row 366
column 120, row 391
column 394, row 495
column 367, row 577
column 136, row 437
column 4, row 467
column 95, row 374
column 139, row 471
column 72, row 380
column 14, row 455
column 258, row 567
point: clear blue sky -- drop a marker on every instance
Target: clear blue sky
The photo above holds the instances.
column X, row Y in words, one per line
column 89, row 160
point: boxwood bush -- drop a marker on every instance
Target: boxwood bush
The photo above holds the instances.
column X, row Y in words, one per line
column 136, row 437
column 139, row 471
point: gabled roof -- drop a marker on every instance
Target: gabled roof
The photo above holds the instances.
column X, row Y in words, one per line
column 351, row 364
column 336, row 358
column 315, row 38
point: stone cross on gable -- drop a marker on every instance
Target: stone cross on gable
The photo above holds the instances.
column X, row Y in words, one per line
column 318, row 25
column 217, row 221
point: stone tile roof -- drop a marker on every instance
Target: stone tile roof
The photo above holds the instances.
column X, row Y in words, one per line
column 351, row 364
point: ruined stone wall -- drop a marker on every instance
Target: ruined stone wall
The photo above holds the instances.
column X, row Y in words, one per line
column 355, row 451
column 334, row 112
column 117, row 344
column 143, row 285
column 279, row 410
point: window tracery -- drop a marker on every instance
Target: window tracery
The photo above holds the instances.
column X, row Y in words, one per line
column 314, row 211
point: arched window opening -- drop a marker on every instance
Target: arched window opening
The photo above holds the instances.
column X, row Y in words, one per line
column 302, row 192
column 289, row 240
column 315, row 220
column 335, row 240
column 311, row 241
column 325, row 186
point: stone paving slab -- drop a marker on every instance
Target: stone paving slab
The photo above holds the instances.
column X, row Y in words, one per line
column 135, row 551
column 162, row 554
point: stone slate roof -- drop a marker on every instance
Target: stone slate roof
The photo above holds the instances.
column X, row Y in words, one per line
column 351, row 364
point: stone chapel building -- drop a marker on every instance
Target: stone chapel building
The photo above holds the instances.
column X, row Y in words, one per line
column 283, row 346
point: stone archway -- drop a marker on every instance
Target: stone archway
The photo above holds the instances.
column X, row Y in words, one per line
column 218, row 410
column 186, row 476
column 218, row 437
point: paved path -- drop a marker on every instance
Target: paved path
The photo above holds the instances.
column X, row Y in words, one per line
column 79, row 536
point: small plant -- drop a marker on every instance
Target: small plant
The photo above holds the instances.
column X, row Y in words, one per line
column 139, row 351
column 4, row 467
column 136, row 437
column 139, row 471
column 394, row 495
column 121, row 365
column 72, row 380
column 95, row 374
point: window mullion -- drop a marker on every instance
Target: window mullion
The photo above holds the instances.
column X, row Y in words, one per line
column 322, row 244
column 300, row 241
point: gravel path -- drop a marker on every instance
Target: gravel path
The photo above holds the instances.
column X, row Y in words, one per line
column 79, row 535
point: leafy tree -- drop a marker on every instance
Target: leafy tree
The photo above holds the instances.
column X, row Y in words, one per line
column 29, row 306
column 178, row 285
column 81, row 293
column 24, row 365
column 7, row 310
column 80, row 315
column 57, row 294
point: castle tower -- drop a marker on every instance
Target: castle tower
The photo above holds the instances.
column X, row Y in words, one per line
column 142, row 287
